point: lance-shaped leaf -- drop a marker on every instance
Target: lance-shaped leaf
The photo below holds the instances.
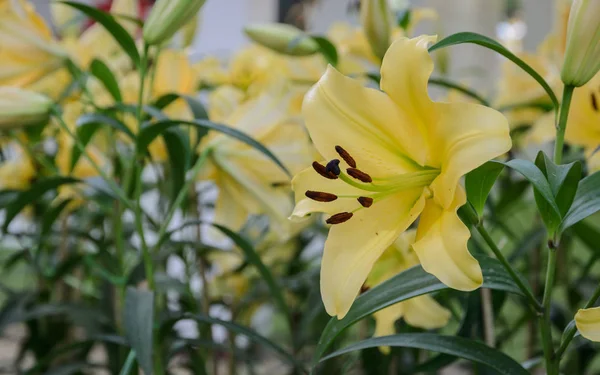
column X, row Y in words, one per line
column 479, row 183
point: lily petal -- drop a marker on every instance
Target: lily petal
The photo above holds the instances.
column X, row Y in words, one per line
column 353, row 247
column 588, row 323
column 405, row 72
column 442, row 246
column 425, row 312
column 340, row 112
column 466, row 136
column 384, row 322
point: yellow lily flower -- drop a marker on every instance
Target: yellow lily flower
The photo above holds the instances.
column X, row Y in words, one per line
column 423, row 311
column 248, row 182
column 29, row 52
column 402, row 155
column 588, row 323
column 18, row 171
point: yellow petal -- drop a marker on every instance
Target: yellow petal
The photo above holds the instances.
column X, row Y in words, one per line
column 353, row 247
column 584, row 115
column 229, row 206
column 384, row 322
column 405, row 72
column 543, row 130
column 442, row 246
column 588, row 323
column 425, row 312
column 466, row 136
column 174, row 73
column 364, row 121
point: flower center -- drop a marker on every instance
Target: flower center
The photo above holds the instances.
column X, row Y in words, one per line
column 373, row 189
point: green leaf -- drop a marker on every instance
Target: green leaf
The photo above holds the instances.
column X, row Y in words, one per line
column 103, row 73
column 253, row 258
column 563, row 180
column 120, row 35
column 88, row 125
column 35, row 192
column 327, row 49
column 178, row 148
column 239, row 329
column 540, row 185
column 586, row 202
column 138, row 321
column 471, row 350
column 151, row 131
column 484, row 41
column 129, row 362
column 479, row 183
column 404, row 18
column 407, row 284
column 197, row 108
column 463, row 89
column 51, row 215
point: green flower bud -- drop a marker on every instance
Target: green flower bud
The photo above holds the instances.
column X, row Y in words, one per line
column 20, row 107
column 376, row 18
column 282, row 38
column 168, row 16
column 582, row 56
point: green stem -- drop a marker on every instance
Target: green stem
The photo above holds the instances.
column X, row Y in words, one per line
column 513, row 274
column 573, row 329
column 545, row 324
column 562, row 123
column 180, row 197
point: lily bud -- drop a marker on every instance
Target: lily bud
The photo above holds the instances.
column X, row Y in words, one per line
column 376, row 18
column 20, row 107
column 282, row 38
column 582, row 56
column 168, row 16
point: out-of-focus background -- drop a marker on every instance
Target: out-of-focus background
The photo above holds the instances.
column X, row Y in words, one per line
column 528, row 21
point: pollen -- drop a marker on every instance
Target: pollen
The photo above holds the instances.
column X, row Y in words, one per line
column 333, row 167
column 322, row 170
column 346, row 156
column 320, row 196
column 365, row 201
column 342, row 217
column 359, row 175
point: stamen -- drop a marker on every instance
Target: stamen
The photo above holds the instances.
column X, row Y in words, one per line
column 320, row 196
column 322, row 170
column 333, row 167
column 280, row 184
column 365, row 201
column 342, row 217
column 346, row 156
column 594, row 102
column 359, row 175
column 364, row 288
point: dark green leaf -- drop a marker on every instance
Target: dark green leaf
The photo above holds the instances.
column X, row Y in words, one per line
column 541, row 186
column 239, row 329
column 563, row 180
column 129, row 362
column 120, row 35
column 35, row 192
column 479, row 183
column 327, row 49
column 51, row 215
column 151, row 131
column 457, row 346
column 138, row 321
column 469, row 37
column 407, row 284
column 178, row 147
column 88, row 125
column 404, row 18
column 103, row 73
column 586, row 202
column 462, row 89
column 197, row 108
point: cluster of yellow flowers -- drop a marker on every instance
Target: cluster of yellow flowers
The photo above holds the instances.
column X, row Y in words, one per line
column 382, row 160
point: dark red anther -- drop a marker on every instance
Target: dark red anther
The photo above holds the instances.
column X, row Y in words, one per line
column 346, row 156
column 365, row 201
column 342, row 217
column 320, row 196
column 359, row 175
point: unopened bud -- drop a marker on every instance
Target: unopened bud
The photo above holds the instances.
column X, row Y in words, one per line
column 167, row 17
column 582, row 56
column 282, row 38
column 20, row 107
column 376, row 18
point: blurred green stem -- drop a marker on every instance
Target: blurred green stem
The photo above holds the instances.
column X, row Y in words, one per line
column 545, row 323
column 562, row 123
